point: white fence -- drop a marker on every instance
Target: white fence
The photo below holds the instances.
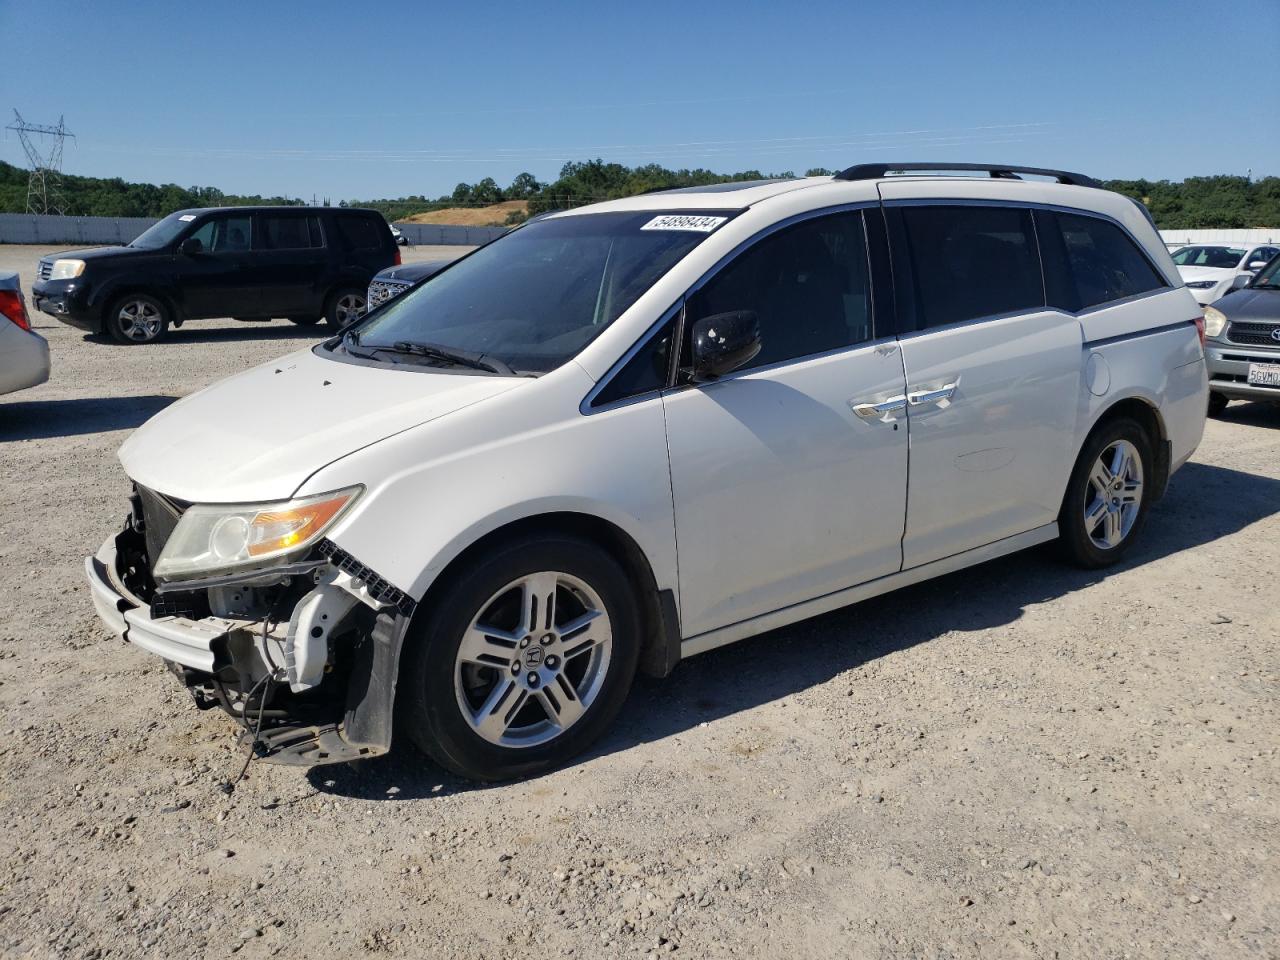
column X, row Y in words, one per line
column 90, row 231
column 1237, row 238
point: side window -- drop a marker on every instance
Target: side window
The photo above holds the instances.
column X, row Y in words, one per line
column 807, row 284
column 969, row 262
column 361, row 233
column 1089, row 261
column 644, row 373
column 290, row 232
column 224, row 234
column 204, row 235
column 1262, row 253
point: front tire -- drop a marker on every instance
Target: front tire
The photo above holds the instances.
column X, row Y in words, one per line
column 1217, row 403
column 137, row 318
column 525, row 661
column 1107, row 498
column 305, row 321
column 344, row 308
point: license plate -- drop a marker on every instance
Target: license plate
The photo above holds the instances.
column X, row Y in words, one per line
column 1264, row 374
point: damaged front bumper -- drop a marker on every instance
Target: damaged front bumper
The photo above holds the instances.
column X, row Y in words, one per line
column 315, row 686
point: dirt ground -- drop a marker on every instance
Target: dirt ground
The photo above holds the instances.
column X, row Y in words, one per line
column 494, row 215
column 1021, row 760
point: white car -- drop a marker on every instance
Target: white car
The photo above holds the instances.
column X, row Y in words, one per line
column 633, row 432
column 1211, row 271
column 24, row 354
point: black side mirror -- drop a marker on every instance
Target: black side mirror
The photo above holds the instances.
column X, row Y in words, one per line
column 723, row 342
column 191, row 246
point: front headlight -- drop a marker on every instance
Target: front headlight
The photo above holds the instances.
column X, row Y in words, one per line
column 66, row 269
column 1202, row 284
column 219, row 539
column 1215, row 321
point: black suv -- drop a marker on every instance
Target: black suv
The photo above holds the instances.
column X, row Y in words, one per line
column 249, row 263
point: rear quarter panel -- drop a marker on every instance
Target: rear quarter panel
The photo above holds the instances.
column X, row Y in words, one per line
column 1147, row 348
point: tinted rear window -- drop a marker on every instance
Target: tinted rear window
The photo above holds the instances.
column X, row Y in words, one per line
column 1089, row 261
column 970, row 261
column 291, row 233
column 363, row 233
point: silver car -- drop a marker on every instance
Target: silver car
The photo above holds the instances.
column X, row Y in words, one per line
column 1242, row 344
column 24, row 355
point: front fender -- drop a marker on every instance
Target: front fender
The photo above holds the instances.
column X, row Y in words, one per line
column 434, row 490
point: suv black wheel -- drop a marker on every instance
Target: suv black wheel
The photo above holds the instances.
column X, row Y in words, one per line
column 1106, row 502
column 526, row 660
column 344, row 308
column 1217, row 403
column 305, row 321
column 137, row 318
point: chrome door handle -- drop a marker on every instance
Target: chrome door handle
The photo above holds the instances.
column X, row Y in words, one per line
column 876, row 411
column 923, row 398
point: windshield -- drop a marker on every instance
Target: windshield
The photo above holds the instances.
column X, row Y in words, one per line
column 1268, row 276
column 534, row 298
column 1208, row 257
column 162, row 234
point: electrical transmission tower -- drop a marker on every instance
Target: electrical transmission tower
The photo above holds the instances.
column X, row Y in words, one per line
column 44, row 185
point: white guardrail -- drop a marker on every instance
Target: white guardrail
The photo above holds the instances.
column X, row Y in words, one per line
column 1237, row 238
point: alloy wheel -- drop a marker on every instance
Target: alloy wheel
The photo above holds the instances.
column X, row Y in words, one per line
column 1113, row 495
column 533, row 660
column 348, row 308
column 139, row 320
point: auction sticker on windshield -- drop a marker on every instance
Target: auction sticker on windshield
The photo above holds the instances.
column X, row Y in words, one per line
column 674, row 221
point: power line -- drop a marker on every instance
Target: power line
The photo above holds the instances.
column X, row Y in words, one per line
column 44, row 183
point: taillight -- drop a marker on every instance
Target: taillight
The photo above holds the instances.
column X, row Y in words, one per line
column 13, row 307
column 1199, row 322
column 398, row 261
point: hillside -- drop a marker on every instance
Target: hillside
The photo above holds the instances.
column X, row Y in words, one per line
column 494, row 215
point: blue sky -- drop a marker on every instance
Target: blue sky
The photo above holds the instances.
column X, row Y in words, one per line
column 391, row 99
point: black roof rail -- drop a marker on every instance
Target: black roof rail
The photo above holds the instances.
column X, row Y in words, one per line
column 1000, row 171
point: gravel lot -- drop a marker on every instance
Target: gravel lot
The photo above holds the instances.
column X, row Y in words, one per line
column 1022, row 760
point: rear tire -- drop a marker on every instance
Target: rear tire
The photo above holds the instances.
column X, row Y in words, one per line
column 1108, row 495
column 344, row 308
column 490, row 690
column 1217, row 403
column 305, row 321
column 137, row 318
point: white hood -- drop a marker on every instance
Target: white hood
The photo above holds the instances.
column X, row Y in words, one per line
column 259, row 434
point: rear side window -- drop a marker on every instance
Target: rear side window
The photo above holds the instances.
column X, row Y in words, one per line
column 807, row 284
column 969, row 262
column 1089, row 261
column 363, row 233
column 291, row 233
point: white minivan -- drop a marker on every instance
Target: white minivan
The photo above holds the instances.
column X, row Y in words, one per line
column 629, row 433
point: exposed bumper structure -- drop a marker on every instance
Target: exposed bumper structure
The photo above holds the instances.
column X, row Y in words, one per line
column 188, row 643
column 326, row 699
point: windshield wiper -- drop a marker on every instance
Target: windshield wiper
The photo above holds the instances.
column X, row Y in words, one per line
column 463, row 358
